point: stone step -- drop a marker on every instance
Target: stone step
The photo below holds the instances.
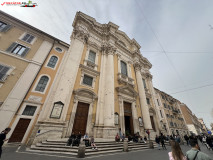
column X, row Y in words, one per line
column 88, row 148
column 58, row 147
column 98, row 144
column 87, row 152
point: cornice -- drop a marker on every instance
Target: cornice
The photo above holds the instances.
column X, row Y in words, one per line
column 90, row 70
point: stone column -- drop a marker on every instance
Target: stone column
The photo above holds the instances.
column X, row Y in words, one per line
column 100, row 105
column 89, row 119
column 135, row 118
column 142, row 96
column 72, row 117
column 109, row 88
column 122, row 125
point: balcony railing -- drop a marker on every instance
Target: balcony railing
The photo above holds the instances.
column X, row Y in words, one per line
column 125, row 79
column 175, row 111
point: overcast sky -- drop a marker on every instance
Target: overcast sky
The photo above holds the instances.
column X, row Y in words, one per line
column 175, row 35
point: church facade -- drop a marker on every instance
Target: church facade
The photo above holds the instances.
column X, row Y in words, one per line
column 98, row 85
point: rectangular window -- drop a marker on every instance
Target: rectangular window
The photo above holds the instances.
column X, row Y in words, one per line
column 29, row 110
column 147, row 100
column 88, row 80
column 144, row 83
column 167, row 115
column 92, row 56
column 2, row 25
column 163, row 97
column 169, row 107
column 158, row 102
column 28, row 38
column 3, row 72
column 161, row 114
column 18, row 49
column 123, row 68
column 171, row 124
column 164, row 105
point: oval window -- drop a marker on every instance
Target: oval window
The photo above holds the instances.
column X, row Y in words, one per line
column 58, row 49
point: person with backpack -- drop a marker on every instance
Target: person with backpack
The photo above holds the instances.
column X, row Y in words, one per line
column 195, row 153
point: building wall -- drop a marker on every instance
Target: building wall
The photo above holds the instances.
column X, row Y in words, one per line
column 36, row 98
column 173, row 115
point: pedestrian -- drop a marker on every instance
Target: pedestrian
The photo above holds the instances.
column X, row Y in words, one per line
column 162, row 141
column 93, row 145
column 71, row 140
column 157, row 140
column 195, row 152
column 117, row 138
column 78, row 139
column 176, row 153
column 3, row 138
column 86, row 139
column 186, row 139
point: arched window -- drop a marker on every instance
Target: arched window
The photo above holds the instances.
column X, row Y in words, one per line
column 42, row 84
column 116, row 118
column 52, row 62
column 123, row 68
column 140, row 121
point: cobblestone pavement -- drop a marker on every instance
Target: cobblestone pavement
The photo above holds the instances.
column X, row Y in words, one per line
column 11, row 153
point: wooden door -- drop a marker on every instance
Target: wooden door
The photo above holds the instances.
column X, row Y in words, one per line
column 20, row 130
column 128, row 118
column 152, row 122
column 80, row 122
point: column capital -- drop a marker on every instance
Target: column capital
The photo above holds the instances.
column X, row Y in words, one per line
column 137, row 66
column 147, row 76
column 80, row 34
column 109, row 49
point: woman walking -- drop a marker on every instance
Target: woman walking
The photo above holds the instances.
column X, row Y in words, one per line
column 176, row 153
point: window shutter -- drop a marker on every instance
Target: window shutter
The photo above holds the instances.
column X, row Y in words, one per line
column 30, row 39
column 5, row 29
column 25, row 52
column 12, row 46
column 3, row 72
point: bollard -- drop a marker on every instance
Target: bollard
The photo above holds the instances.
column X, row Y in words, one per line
column 125, row 146
column 81, row 150
column 151, row 145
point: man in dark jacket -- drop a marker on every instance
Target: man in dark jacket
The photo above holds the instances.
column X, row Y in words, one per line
column 186, row 139
column 157, row 140
column 3, row 138
column 71, row 140
column 162, row 141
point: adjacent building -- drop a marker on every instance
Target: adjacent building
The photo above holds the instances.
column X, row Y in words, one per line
column 24, row 50
column 203, row 126
column 171, row 117
column 192, row 121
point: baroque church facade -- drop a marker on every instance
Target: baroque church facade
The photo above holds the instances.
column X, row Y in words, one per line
column 99, row 84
